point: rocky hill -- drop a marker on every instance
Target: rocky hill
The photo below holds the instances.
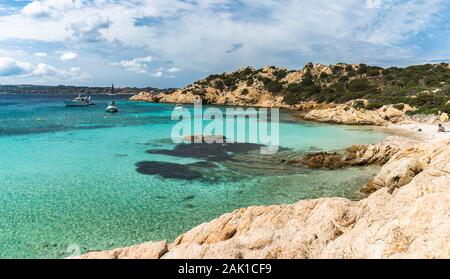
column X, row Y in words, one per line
column 425, row 87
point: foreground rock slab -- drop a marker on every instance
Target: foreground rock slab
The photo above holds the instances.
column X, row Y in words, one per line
column 150, row 250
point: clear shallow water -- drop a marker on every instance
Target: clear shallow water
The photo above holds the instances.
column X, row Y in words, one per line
column 68, row 175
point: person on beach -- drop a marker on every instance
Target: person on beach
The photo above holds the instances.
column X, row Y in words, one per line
column 441, row 128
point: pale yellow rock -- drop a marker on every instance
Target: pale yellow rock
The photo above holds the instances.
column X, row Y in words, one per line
column 346, row 114
column 444, row 117
column 150, row 250
column 144, row 96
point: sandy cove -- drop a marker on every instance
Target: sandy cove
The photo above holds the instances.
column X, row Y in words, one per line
column 406, row 216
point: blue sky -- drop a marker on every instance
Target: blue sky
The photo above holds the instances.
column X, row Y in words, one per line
column 171, row 43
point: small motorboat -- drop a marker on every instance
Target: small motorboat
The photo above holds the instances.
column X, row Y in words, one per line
column 178, row 107
column 112, row 108
column 80, row 101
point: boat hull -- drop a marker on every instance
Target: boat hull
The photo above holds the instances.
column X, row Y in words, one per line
column 76, row 104
column 112, row 109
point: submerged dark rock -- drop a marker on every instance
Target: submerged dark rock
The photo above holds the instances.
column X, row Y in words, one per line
column 168, row 170
column 216, row 152
column 188, row 198
column 220, row 161
column 321, row 160
column 120, row 155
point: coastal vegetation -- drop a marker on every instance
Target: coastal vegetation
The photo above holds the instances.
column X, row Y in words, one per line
column 425, row 87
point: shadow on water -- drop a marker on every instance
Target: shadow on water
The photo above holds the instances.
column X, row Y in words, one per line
column 220, row 162
column 215, row 152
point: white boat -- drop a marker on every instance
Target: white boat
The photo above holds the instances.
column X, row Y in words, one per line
column 178, row 107
column 79, row 101
column 112, row 108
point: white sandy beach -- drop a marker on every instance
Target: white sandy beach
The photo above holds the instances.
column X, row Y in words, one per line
column 424, row 131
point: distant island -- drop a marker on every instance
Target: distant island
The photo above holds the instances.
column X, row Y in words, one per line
column 68, row 89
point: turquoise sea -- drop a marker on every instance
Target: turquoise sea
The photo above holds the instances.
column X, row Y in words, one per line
column 79, row 177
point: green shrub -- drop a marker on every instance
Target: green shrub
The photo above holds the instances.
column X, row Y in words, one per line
column 445, row 108
column 229, row 81
column 274, row 86
column 219, row 85
column 307, row 80
column 280, row 74
column 245, row 91
column 343, row 79
column 374, row 106
column 432, row 82
column 373, row 72
column 445, row 91
column 362, row 69
column 337, row 70
column 296, row 93
column 324, row 76
column 264, row 80
column 246, row 72
column 359, row 85
column 352, row 73
column 292, row 99
column 359, row 104
column 250, row 81
column 399, row 106
column 294, row 87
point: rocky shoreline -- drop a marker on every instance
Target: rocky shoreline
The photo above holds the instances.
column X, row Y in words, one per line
column 346, row 114
column 405, row 216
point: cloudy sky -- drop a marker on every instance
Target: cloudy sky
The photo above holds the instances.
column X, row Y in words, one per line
column 170, row 43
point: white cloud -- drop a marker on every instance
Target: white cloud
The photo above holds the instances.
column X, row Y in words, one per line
column 40, row 54
column 35, row 9
column 173, row 70
column 44, row 70
column 89, row 29
column 68, row 56
column 157, row 74
column 220, row 35
column 10, row 67
column 49, row 8
column 77, row 74
column 138, row 65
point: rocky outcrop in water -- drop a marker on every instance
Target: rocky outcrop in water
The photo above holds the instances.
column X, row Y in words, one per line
column 410, row 220
column 403, row 166
column 356, row 155
column 146, row 97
